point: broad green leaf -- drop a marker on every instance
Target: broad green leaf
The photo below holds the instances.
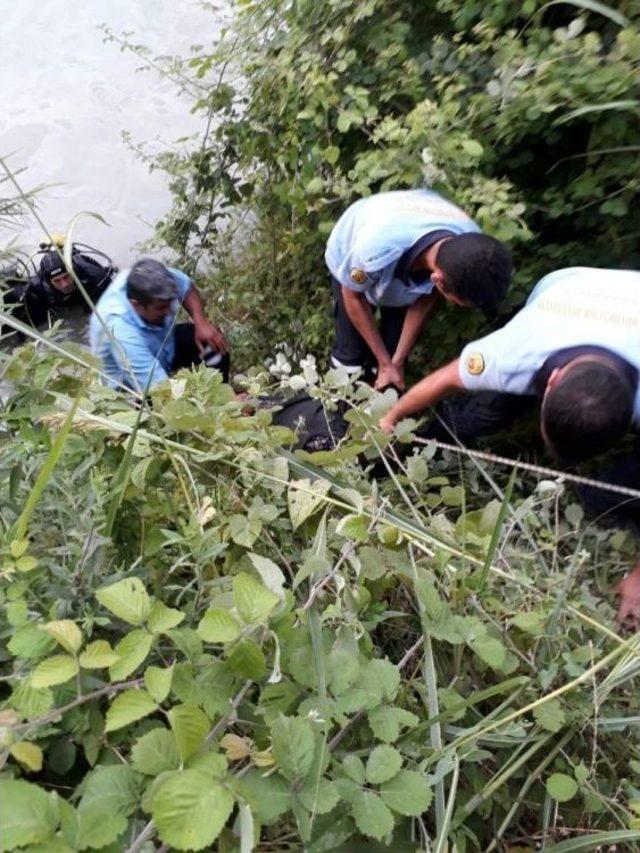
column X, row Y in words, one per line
column 155, row 752
column 29, row 642
column 490, row 650
column 132, row 650
column 28, row 754
column 219, row 626
column 190, row 809
column 158, row 682
column 54, row 670
column 271, row 574
column 354, row 527
column 128, row 707
column 319, row 796
column 97, row 827
column 372, row 817
column 386, row 722
column 252, row 599
column 550, row 715
column 127, row 599
column 383, row 763
column 561, row 787
column 293, row 745
column 305, row 497
column 532, row 622
column 26, row 563
column 30, row 701
column 66, row 633
column 97, row 655
column 268, row 796
column 115, row 787
column 17, row 547
column 28, row 814
column 162, row 618
column 190, row 726
column 382, row 676
column 247, row 660
column 407, row 793
column 354, row 768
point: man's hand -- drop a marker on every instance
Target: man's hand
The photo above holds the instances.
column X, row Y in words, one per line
column 208, row 335
column 387, row 423
column 390, row 374
column 629, row 590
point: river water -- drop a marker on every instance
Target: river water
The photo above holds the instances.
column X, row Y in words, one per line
column 66, row 98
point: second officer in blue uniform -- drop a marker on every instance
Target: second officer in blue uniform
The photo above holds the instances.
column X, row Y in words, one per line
column 399, row 253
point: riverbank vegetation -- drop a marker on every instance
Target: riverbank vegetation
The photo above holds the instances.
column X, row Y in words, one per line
column 212, row 641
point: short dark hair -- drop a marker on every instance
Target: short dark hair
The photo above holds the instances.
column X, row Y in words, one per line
column 476, row 268
column 587, row 412
column 149, row 279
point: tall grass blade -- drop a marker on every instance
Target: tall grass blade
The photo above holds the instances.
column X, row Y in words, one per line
column 495, row 536
column 592, row 6
column 19, row 529
column 591, row 842
column 633, row 105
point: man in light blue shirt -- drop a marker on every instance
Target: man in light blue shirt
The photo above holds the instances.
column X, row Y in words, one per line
column 133, row 329
column 574, row 349
column 400, row 253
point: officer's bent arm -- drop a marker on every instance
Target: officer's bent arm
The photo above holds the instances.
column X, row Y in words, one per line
column 416, row 316
column 361, row 315
column 205, row 331
column 427, row 392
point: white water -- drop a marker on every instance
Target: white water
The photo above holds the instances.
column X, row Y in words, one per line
column 66, row 97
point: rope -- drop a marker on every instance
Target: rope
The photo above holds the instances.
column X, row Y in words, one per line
column 533, row 469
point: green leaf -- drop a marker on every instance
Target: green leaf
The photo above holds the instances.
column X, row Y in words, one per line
column 29, row 642
column 531, row 622
column 26, row 563
column 54, row 670
column 268, row 796
column 318, row 796
column 162, row 618
column 66, row 633
column 561, row 787
column 305, row 497
column 472, row 148
column 452, row 495
column 354, row 768
column 17, row 547
column 127, row 599
column 29, row 701
column 252, row 600
column 190, row 810
column 550, row 715
column 155, row 752
column 293, row 745
column 383, row 763
column 271, row 574
column 158, row 682
column 490, row 650
column 28, row 754
column 593, row 6
column 132, row 650
column 331, row 154
column 190, row 726
column 386, row 722
column 407, row 793
column 128, row 707
column 371, row 815
column 219, row 626
column 247, row 660
column 97, row 655
column 28, row 814
column 381, row 675
column 110, row 795
column 354, row 527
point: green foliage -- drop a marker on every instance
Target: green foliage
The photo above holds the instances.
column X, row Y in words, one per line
column 160, row 682
column 525, row 114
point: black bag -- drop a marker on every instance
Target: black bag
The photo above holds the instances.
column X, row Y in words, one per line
column 315, row 427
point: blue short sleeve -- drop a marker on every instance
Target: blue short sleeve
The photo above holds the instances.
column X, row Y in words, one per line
column 183, row 281
column 140, row 369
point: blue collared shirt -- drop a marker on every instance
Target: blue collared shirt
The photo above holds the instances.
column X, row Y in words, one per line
column 574, row 307
column 134, row 352
column 372, row 237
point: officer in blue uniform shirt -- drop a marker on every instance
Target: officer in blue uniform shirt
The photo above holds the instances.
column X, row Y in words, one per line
column 400, row 253
column 133, row 329
column 574, row 349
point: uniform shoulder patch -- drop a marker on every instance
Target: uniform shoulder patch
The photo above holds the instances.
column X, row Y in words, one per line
column 357, row 275
column 474, row 363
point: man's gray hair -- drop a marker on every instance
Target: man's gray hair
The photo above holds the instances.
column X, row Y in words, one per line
column 149, row 279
